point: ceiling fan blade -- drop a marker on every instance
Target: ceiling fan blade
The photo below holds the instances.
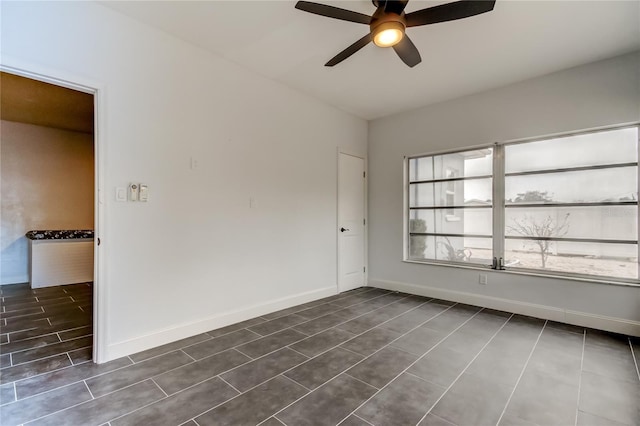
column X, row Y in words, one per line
column 408, row 52
column 395, row 6
column 349, row 51
column 333, row 12
column 449, row 12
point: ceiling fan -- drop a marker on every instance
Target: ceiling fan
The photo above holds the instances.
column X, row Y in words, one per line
column 388, row 23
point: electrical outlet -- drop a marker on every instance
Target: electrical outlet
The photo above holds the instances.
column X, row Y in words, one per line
column 482, row 279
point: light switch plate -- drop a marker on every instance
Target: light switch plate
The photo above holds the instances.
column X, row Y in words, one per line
column 144, row 193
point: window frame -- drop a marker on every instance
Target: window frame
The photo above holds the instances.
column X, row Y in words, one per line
column 443, row 208
column 499, row 208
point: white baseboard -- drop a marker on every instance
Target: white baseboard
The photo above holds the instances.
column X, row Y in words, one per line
column 168, row 335
column 583, row 319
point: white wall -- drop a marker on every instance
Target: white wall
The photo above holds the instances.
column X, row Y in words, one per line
column 598, row 94
column 195, row 256
column 46, row 176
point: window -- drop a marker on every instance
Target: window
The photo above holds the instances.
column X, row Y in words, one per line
column 563, row 205
column 450, row 207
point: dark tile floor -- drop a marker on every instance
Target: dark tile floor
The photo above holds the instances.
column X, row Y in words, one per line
column 365, row 357
column 43, row 329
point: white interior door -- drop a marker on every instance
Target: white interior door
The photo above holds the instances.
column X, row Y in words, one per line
column 351, row 222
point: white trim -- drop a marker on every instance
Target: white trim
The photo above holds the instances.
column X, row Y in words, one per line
column 593, row 279
column 171, row 334
column 69, row 80
column 583, row 319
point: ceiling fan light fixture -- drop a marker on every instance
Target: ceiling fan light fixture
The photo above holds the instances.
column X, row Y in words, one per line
column 388, row 34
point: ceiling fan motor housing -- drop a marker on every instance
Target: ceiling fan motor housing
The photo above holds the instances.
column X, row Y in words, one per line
column 384, row 21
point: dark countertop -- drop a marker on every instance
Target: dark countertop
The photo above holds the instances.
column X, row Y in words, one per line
column 66, row 234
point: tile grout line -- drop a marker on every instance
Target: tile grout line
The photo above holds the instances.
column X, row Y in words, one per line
column 90, row 393
column 158, row 386
column 445, row 420
column 277, row 419
column 513, row 391
column 282, row 373
column 242, row 353
column 175, row 350
column 219, row 376
column 584, row 338
column 356, row 353
column 65, row 368
column 51, row 356
column 633, row 355
column 298, row 352
column 361, row 381
column 139, row 408
column 463, row 370
column 293, row 381
column 273, row 416
column 194, row 360
column 42, row 335
column 364, row 420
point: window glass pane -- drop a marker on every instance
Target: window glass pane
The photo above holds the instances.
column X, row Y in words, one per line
column 459, row 249
column 617, row 184
column 477, row 162
column 452, row 221
column 420, row 169
column 421, row 247
column 596, row 222
column 602, row 259
column 475, row 192
column 590, row 149
column 455, row 249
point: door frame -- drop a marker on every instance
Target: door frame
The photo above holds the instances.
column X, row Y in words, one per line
column 346, row 151
column 61, row 78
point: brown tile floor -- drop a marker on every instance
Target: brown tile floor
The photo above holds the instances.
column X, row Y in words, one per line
column 366, row 357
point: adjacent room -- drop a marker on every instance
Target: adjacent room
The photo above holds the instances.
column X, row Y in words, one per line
column 320, row 213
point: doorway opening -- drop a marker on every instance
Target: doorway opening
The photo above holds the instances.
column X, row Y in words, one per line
column 49, row 211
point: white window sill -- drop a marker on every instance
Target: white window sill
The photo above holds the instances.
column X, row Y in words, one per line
column 552, row 275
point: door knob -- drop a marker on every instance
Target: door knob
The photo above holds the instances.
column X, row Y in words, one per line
column 343, row 229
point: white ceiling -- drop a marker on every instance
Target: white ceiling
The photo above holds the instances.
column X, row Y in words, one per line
column 516, row 41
